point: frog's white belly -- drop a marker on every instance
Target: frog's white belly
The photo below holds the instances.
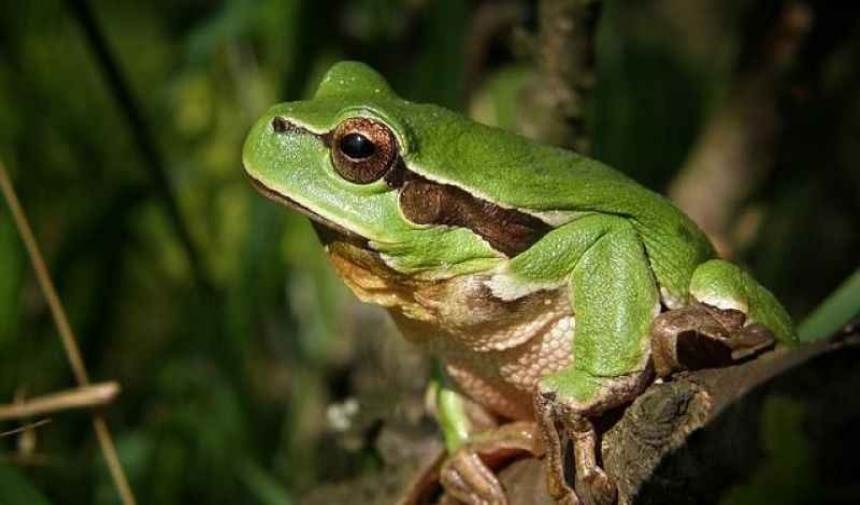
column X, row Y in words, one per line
column 495, row 349
column 497, row 352
column 505, row 382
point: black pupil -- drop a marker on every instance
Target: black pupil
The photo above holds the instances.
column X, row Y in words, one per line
column 357, row 146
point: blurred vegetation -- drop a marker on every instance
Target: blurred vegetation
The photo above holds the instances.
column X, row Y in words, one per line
column 226, row 375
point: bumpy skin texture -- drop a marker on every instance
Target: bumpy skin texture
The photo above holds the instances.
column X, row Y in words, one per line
column 537, row 273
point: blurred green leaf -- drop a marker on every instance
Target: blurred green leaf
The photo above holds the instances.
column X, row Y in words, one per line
column 15, row 489
column 11, row 257
column 837, row 310
column 264, row 487
column 495, row 103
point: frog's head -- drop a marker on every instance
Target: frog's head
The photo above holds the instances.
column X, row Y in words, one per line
column 369, row 167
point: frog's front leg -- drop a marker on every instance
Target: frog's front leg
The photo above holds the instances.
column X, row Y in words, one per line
column 615, row 299
column 731, row 317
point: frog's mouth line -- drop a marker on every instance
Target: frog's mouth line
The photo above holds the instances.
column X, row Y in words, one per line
column 327, row 230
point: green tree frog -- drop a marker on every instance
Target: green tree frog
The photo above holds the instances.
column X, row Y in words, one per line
column 551, row 287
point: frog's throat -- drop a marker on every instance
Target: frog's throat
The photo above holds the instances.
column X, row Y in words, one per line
column 373, row 281
column 326, row 229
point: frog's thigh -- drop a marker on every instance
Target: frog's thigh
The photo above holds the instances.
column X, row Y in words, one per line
column 723, row 285
column 614, row 301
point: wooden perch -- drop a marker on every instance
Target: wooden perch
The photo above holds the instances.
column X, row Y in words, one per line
column 85, row 397
column 687, row 440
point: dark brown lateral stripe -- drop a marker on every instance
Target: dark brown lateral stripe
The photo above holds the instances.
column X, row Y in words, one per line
column 507, row 230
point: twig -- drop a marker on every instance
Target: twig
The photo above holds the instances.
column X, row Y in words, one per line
column 553, row 109
column 96, row 395
column 26, row 454
column 656, row 427
column 67, row 337
column 25, row 428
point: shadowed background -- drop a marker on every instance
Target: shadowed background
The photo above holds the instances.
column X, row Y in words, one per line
column 122, row 123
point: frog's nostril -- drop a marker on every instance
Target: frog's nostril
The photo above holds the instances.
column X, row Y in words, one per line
column 279, row 124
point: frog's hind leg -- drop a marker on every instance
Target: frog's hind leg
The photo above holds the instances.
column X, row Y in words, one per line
column 615, row 300
column 468, row 473
column 730, row 317
column 476, row 446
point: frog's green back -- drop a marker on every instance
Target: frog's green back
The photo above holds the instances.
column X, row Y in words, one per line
column 557, row 180
column 487, row 162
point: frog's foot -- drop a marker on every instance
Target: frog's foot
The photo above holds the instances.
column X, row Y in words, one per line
column 467, row 474
column 555, row 449
column 591, row 480
column 699, row 336
column 465, row 477
column 561, row 419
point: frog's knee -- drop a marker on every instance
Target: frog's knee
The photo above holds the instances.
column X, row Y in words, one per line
column 578, row 392
column 720, row 284
column 726, row 286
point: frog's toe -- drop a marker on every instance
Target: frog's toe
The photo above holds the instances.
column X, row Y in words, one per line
column 466, row 478
column 569, row 498
column 596, row 488
column 751, row 340
column 700, row 336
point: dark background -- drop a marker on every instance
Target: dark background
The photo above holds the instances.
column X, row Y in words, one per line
column 121, row 124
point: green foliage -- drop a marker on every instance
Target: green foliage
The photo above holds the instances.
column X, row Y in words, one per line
column 10, row 282
column 639, row 125
column 224, row 386
column 840, row 308
column 15, row 490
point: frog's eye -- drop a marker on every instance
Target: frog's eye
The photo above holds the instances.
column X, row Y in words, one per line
column 362, row 150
